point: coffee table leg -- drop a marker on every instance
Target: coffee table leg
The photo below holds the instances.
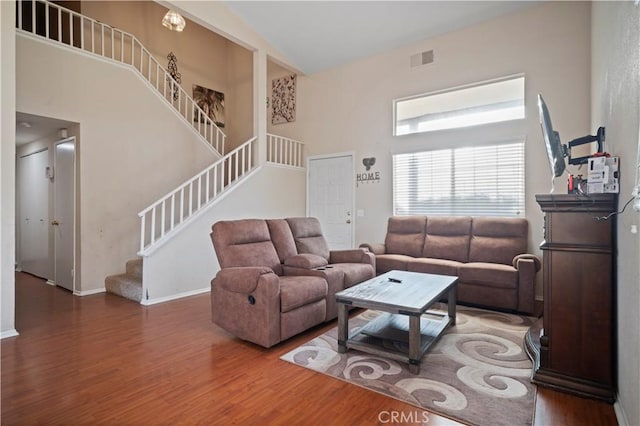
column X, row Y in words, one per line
column 343, row 327
column 415, row 342
column 452, row 296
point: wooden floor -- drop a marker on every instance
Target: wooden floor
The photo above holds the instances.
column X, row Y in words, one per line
column 105, row 360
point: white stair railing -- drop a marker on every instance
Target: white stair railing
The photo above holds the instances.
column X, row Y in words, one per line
column 72, row 29
column 284, row 151
column 162, row 218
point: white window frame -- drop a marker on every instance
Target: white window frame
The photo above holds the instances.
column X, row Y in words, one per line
column 458, row 113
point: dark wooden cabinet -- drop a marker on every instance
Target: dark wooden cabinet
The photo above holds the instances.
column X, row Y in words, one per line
column 573, row 346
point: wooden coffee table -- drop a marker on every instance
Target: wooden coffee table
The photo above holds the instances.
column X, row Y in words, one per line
column 402, row 332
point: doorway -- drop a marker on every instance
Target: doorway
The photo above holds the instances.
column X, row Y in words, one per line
column 33, row 217
column 330, row 197
column 45, row 192
column 63, row 222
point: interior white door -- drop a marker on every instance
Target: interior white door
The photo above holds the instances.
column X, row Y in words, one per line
column 331, row 198
column 33, row 206
column 64, row 207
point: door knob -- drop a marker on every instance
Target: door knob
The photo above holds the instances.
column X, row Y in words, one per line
column 55, row 223
column 348, row 220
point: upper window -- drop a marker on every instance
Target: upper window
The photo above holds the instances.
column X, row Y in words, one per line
column 500, row 100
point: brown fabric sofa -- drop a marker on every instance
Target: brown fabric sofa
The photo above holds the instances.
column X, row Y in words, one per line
column 488, row 255
column 278, row 277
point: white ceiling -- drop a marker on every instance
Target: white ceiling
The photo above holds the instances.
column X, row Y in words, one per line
column 317, row 35
column 30, row 128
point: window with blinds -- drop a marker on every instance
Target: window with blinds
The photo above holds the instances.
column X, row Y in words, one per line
column 474, row 181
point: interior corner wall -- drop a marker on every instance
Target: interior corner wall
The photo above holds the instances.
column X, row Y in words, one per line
column 133, row 147
column 239, row 99
column 616, row 105
column 7, row 167
column 350, row 107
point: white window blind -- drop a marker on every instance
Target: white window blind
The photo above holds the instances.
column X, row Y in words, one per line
column 475, row 181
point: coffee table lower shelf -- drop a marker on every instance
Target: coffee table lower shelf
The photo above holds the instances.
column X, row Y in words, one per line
column 388, row 335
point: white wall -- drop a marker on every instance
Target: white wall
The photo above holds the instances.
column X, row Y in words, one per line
column 133, row 148
column 7, row 167
column 187, row 263
column 616, row 105
column 350, row 107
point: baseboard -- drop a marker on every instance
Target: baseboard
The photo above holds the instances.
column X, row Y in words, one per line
column 10, row 333
column 620, row 414
column 175, row 296
column 51, row 283
column 89, row 292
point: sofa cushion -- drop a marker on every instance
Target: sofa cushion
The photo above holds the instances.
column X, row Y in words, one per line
column 307, row 235
column 447, row 238
column 434, row 266
column 388, row 262
column 305, row 261
column 405, row 235
column 497, row 240
column 489, row 274
column 244, row 242
column 297, row 291
column 282, row 238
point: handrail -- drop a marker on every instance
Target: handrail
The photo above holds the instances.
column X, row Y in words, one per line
column 94, row 37
column 285, row 151
column 165, row 215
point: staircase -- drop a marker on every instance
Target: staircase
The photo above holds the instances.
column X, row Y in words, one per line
column 172, row 213
column 129, row 284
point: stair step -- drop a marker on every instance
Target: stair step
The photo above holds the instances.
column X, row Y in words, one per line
column 134, row 268
column 125, row 285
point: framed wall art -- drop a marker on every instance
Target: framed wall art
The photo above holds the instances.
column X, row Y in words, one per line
column 211, row 102
column 283, row 100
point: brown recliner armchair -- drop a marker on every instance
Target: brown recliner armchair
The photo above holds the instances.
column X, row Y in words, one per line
column 250, row 296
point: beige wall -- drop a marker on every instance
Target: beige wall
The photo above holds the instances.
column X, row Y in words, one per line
column 133, row 148
column 7, row 167
column 204, row 57
column 350, row 107
column 616, row 105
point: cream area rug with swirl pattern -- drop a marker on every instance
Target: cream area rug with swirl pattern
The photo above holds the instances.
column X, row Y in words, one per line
column 477, row 373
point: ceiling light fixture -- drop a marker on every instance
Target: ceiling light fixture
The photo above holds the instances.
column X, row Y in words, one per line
column 174, row 21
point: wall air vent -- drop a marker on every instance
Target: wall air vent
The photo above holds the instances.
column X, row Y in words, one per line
column 421, row 58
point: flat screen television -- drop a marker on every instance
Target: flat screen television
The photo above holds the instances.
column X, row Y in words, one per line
column 557, row 151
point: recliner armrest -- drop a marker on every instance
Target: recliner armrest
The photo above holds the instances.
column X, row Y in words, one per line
column 305, row 261
column 375, row 248
column 359, row 255
column 243, row 280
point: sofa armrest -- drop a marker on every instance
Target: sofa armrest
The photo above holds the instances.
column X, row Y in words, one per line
column 358, row 255
column 375, row 248
column 535, row 259
column 527, row 267
column 244, row 280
